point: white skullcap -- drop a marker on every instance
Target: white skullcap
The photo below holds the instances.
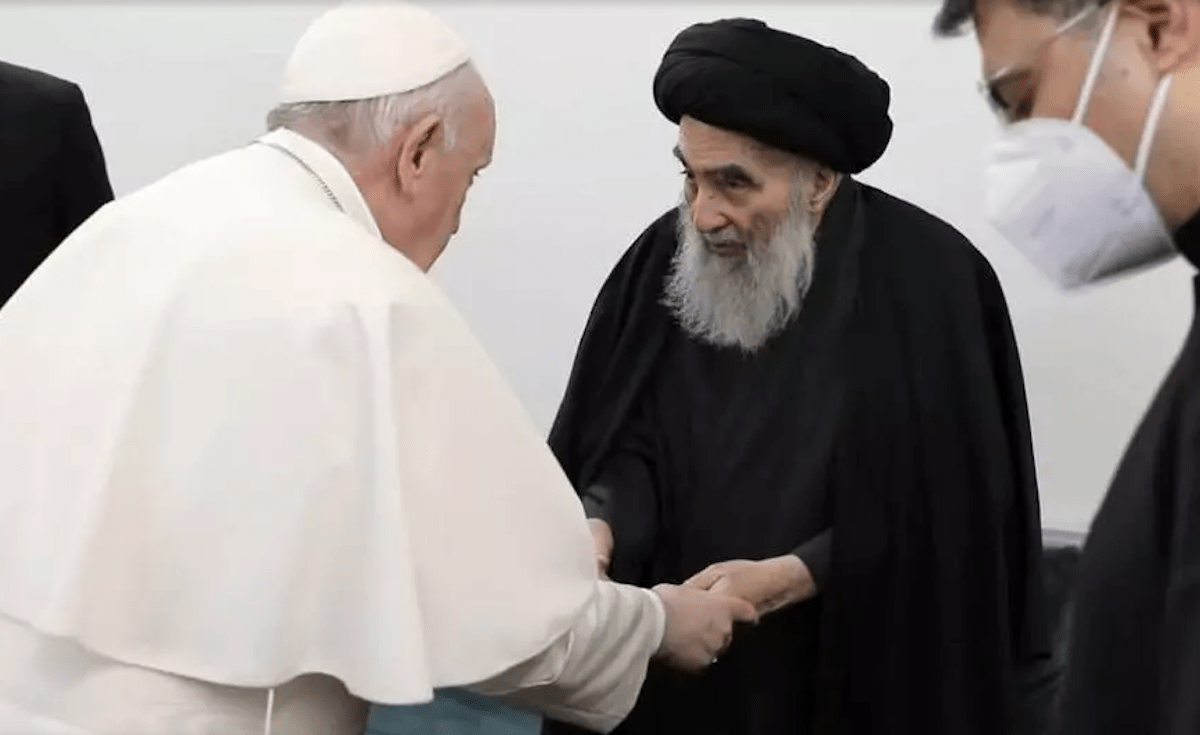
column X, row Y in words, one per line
column 358, row 51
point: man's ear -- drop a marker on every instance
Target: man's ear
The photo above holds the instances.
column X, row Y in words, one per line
column 824, row 185
column 415, row 147
column 1173, row 30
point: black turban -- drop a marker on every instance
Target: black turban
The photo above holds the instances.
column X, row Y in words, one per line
column 780, row 89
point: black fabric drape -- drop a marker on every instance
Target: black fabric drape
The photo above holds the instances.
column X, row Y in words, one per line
column 54, row 175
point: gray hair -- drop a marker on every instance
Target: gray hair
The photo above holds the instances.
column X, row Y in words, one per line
column 358, row 127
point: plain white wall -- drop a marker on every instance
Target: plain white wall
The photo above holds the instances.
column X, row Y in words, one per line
column 583, row 163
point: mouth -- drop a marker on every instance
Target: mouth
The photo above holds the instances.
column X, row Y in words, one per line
column 726, row 249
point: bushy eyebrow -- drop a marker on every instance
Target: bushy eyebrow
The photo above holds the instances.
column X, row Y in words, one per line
column 724, row 172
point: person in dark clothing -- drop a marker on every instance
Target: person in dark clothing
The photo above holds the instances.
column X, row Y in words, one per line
column 53, row 176
column 800, row 390
column 1098, row 176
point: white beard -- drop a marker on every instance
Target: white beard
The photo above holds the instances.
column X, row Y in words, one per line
column 746, row 300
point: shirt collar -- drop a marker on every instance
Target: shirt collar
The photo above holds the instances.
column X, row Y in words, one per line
column 330, row 170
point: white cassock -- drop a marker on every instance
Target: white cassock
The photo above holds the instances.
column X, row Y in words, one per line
column 256, row 469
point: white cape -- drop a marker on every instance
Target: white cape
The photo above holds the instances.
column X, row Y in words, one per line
column 244, row 439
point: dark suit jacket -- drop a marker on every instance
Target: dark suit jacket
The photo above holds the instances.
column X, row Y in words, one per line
column 52, row 172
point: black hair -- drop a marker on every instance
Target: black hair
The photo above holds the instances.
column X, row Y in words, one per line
column 955, row 15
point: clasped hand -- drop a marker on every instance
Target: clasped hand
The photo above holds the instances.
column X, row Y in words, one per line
column 699, row 623
column 769, row 585
column 702, row 612
column 729, row 592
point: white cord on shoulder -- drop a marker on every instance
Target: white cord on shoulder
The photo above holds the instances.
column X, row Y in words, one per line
column 270, row 711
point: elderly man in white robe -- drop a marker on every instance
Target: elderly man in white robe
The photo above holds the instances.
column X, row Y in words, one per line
column 257, row 473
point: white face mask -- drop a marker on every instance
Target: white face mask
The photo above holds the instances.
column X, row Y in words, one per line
column 1068, row 202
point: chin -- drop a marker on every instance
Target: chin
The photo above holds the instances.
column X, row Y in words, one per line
column 429, row 257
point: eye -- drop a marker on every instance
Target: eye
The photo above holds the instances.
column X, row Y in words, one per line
column 690, row 187
column 1013, row 96
column 1023, row 109
column 1014, row 106
column 735, row 181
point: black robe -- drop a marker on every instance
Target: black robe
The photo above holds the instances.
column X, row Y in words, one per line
column 54, row 174
column 934, row 596
column 1134, row 657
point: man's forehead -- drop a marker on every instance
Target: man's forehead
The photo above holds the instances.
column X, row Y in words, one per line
column 482, row 127
column 1009, row 32
column 700, row 141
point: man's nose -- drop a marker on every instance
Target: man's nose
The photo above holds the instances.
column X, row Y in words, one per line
column 706, row 216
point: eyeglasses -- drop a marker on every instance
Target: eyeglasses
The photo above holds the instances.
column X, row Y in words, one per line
column 992, row 88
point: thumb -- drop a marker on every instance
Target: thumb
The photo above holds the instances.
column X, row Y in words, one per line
column 742, row 611
column 706, row 579
column 723, row 586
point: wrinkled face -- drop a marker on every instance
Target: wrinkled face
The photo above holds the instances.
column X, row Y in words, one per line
column 746, row 238
column 1034, row 67
column 735, row 189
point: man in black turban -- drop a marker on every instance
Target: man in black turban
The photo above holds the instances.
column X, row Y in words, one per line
column 803, row 391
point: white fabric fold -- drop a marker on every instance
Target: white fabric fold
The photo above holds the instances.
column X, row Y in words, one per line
column 244, row 439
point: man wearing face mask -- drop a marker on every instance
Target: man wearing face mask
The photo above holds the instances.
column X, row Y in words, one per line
column 1098, row 175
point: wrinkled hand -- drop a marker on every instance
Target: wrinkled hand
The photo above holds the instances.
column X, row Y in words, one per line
column 769, row 585
column 602, row 541
column 699, row 625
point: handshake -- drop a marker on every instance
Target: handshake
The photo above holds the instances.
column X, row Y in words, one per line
column 699, row 625
column 702, row 612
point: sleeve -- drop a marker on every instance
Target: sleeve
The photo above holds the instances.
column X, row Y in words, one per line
column 626, row 497
column 591, row 676
column 1180, row 674
column 817, row 555
column 1022, row 519
column 83, row 184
